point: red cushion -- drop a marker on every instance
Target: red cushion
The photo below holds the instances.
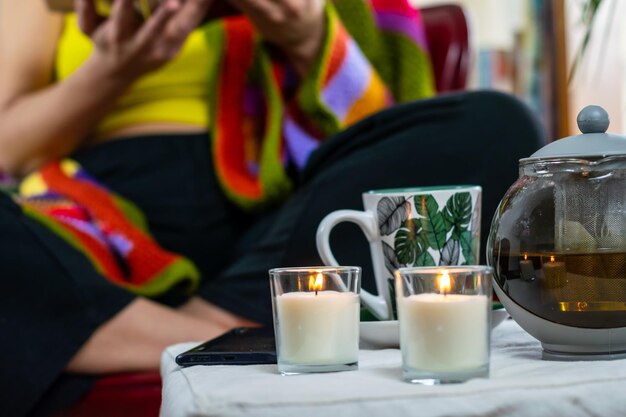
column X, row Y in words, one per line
column 121, row 395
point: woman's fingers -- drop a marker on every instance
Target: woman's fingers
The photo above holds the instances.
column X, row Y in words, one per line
column 135, row 48
column 263, row 9
column 88, row 18
column 156, row 24
column 172, row 22
column 187, row 19
column 123, row 20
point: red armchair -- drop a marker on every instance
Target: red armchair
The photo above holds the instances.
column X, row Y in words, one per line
column 448, row 39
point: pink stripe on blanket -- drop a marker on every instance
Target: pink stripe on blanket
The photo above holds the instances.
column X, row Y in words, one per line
column 401, row 23
column 396, row 6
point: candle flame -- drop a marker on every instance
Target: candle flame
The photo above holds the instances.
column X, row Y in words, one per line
column 444, row 283
column 316, row 283
column 525, row 257
column 551, row 258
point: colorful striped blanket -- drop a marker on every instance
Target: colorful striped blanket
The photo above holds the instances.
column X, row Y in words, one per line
column 374, row 55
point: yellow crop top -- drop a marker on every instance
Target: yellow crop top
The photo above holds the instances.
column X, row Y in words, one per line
column 175, row 93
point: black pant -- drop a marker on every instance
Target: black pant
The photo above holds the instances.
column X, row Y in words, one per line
column 468, row 138
column 53, row 300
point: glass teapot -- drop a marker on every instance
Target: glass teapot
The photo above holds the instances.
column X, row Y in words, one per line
column 558, row 239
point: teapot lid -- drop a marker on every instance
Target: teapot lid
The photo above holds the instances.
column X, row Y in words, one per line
column 593, row 122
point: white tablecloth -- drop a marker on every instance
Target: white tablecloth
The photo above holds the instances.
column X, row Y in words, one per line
column 521, row 384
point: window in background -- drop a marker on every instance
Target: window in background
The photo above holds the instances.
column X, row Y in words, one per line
column 519, row 47
column 600, row 76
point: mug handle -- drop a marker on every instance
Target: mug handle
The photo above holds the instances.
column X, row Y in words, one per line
column 377, row 304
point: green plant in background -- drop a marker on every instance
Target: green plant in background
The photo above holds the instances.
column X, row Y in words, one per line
column 589, row 13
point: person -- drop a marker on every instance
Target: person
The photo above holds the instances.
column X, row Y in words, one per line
column 153, row 232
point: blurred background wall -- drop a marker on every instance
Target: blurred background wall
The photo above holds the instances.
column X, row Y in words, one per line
column 530, row 47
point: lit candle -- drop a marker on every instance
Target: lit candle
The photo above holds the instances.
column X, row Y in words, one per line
column 444, row 332
column 527, row 269
column 554, row 273
column 318, row 327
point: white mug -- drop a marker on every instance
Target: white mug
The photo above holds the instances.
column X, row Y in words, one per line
column 423, row 226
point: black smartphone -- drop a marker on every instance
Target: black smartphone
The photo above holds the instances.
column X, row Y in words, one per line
column 240, row 346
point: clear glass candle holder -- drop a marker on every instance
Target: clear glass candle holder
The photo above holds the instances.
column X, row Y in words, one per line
column 316, row 318
column 444, row 315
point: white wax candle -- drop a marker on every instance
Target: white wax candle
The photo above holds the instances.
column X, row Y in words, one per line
column 444, row 334
column 555, row 274
column 320, row 329
column 527, row 269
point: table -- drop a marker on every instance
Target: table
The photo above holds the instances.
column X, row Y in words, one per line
column 521, row 384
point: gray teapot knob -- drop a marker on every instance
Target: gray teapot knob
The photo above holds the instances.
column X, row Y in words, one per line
column 593, row 119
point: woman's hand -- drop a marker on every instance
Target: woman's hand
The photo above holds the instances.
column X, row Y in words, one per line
column 296, row 26
column 127, row 48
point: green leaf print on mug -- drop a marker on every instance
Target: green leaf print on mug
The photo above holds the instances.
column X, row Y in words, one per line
column 447, row 231
column 433, row 225
column 457, row 214
column 409, row 241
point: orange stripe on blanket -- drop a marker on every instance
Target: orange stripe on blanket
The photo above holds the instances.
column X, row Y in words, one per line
column 230, row 151
column 337, row 53
column 97, row 253
column 103, row 259
column 145, row 259
column 374, row 98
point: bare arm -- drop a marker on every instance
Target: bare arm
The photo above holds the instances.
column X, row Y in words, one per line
column 134, row 339
column 40, row 120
